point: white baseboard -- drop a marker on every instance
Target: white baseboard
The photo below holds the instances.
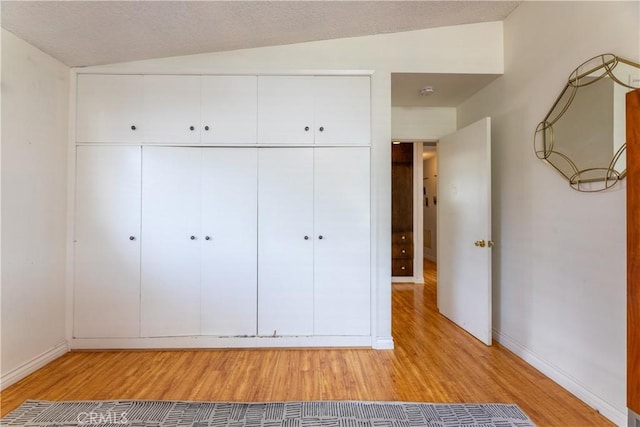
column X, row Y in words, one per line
column 33, row 365
column 408, row 279
column 402, row 279
column 383, row 343
column 201, row 342
column 616, row 415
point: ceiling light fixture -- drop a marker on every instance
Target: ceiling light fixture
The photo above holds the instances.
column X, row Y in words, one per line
column 426, row 91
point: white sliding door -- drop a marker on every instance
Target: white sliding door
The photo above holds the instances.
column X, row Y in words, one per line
column 229, row 245
column 170, row 241
column 342, row 241
column 285, row 241
column 107, row 242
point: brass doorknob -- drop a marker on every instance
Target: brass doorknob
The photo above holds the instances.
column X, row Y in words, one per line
column 480, row 243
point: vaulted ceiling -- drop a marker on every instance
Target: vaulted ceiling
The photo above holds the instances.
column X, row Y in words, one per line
column 83, row 33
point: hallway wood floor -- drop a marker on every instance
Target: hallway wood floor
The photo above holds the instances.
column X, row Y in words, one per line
column 433, row 361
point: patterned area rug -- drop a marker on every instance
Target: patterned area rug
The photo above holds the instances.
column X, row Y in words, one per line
column 143, row 413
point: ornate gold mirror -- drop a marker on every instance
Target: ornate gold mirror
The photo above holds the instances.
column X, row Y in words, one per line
column 583, row 134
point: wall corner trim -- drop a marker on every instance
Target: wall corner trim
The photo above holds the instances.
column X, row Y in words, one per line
column 33, row 365
column 616, row 415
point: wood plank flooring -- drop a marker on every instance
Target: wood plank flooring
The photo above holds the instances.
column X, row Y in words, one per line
column 433, row 361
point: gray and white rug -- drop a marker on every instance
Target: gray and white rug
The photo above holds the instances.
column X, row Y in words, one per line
column 146, row 413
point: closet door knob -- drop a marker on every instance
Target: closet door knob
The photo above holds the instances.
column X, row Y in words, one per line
column 133, row 127
column 207, row 238
column 132, row 238
column 206, row 128
column 306, row 237
column 306, row 128
column 321, row 128
column 320, row 237
column 193, row 237
column 191, row 128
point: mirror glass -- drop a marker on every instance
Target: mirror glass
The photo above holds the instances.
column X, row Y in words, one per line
column 583, row 134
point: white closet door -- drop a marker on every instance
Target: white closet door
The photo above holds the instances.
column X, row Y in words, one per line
column 285, row 109
column 107, row 242
column 229, row 249
column 229, row 110
column 342, row 110
column 342, row 241
column 170, row 241
column 172, row 109
column 285, row 241
column 109, row 108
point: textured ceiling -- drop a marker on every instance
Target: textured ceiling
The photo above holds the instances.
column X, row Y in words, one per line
column 82, row 33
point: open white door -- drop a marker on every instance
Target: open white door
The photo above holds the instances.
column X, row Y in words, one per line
column 464, row 228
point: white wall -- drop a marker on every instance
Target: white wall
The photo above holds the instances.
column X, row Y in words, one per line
column 35, row 93
column 422, row 123
column 476, row 48
column 560, row 259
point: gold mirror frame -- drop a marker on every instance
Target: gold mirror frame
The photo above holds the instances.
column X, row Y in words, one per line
column 590, row 179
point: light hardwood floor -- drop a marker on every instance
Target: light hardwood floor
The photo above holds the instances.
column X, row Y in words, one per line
column 433, row 361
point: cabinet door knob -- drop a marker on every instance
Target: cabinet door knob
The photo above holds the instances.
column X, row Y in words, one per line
column 321, row 128
column 206, row 128
column 133, row 127
column 193, row 237
column 207, row 238
column 306, row 128
column 320, row 237
column 132, row 238
column 191, row 128
column 306, row 237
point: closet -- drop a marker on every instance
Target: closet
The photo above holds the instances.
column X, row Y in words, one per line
column 313, row 251
column 107, row 242
column 199, row 237
column 166, row 109
column 222, row 207
column 314, row 110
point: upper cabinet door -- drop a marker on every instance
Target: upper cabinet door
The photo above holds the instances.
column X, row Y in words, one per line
column 109, row 108
column 285, row 109
column 171, row 109
column 343, row 110
column 229, row 110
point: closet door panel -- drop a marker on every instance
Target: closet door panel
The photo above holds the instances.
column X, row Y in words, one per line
column 170, row 241
column 285, row 256
column 229, row 110
column 285, row 109
column 171, row 109
column 108, row 106
column 342, row 241
column 107, row 242
column 342, row 110
column 229, row 255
